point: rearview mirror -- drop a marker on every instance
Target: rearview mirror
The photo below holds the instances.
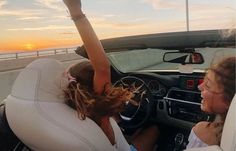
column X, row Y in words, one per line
column 183, row 57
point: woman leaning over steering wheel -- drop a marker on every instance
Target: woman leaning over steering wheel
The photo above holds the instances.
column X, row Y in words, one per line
column 90, row 91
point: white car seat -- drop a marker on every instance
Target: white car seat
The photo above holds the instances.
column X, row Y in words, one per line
column 228, row 139
column 37, row 114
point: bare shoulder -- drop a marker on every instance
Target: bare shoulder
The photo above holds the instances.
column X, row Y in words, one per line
column 209, row 132
column 200, row 126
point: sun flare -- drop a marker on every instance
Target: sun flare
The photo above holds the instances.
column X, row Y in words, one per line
column 29, row 46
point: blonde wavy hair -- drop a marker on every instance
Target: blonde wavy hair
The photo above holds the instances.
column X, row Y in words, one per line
column 81, row 96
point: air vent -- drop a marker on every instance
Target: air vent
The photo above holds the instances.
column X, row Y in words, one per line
column 190, row 96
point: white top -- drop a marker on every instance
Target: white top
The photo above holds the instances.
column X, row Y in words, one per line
column 121, row 143
column 194, row 141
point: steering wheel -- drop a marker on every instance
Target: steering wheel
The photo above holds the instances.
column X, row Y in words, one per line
column 135, row 116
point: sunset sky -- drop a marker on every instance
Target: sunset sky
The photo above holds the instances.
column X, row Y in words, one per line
column 40, row 24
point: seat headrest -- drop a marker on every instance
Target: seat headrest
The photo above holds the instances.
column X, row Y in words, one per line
column 228, row 139
column 38, row 116
column 42, row 80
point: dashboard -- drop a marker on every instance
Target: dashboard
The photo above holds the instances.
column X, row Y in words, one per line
column 156, row 88
column 175, row 98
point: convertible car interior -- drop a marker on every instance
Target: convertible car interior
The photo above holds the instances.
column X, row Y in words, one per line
column 164, row 70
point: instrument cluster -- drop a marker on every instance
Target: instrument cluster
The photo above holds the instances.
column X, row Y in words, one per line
column 156, row 88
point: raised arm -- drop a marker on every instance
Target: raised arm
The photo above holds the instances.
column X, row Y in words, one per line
column 92, row 45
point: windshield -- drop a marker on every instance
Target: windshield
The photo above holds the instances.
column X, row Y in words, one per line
column 151, row 59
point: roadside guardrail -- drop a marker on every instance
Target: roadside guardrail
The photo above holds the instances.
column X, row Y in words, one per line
column 38, row 53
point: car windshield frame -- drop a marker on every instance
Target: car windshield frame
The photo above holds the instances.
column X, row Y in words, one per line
column 139, row 52
column 150, row 59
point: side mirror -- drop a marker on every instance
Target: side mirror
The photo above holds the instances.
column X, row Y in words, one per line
column 183, row 57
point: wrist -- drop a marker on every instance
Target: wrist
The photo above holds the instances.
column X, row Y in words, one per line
column 75, row 12
column 78, row 17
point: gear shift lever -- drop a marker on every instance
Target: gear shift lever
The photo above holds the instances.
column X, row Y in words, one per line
column 179, row 139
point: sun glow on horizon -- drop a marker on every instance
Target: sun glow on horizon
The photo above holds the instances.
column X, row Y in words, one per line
column 35, row 45
column 29, row 46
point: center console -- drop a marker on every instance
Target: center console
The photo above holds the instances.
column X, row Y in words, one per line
column 185, row 105
column 182, row 105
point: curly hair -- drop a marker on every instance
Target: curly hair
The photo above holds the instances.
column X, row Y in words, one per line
column 81, row 96
column 225, row 76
